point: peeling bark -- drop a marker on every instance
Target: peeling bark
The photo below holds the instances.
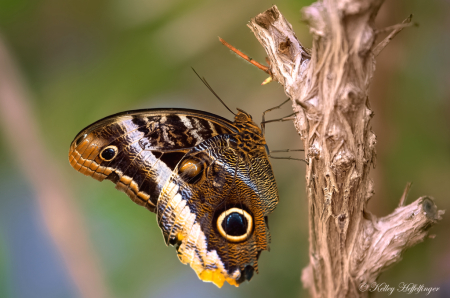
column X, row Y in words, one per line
column 328, row 86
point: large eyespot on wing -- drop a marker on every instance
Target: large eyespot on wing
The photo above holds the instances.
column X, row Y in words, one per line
column 235, row 224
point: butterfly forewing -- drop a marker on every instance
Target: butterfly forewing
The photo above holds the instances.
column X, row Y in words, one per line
column 148, row 145
column 208, row 179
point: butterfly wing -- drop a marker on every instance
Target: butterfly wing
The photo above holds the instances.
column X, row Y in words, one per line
column 217, row 221
column 138, row 150
column 150, row 154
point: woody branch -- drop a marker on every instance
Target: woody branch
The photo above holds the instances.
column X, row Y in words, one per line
column 328, row 86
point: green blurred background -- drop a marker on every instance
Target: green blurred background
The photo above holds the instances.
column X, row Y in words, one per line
column 83, row 60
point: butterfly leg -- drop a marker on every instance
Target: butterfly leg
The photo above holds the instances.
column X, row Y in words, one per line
column 287, row 118
column 299, row 159
column 286, row 150
column 263, row 122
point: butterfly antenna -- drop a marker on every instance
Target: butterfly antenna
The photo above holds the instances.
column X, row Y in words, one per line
column 211, row 89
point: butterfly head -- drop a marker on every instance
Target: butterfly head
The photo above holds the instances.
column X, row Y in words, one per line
column 244, row 121
column 242, row 117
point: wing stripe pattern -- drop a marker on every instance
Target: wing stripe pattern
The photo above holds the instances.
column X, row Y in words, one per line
column 206, row 262
column 193, row 249
column 148, row 147
column 143, row 134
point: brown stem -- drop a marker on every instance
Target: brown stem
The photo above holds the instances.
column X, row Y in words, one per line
column 328, row 85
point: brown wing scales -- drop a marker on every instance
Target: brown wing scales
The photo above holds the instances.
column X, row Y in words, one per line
column 208, row 179
column 207, row 199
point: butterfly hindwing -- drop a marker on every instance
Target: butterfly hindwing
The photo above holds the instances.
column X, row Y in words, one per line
column 208, row 179
column 189, row 211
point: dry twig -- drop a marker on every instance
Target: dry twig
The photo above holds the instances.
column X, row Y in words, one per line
column 329, row 90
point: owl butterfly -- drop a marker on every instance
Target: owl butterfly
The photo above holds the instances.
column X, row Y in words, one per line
column 208, row 180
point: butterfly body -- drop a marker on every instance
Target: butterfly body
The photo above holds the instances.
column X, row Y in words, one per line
column 208, row 180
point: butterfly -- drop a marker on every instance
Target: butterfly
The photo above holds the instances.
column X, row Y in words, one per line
column 209, row 181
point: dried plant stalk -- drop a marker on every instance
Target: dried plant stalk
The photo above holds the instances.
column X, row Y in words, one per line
column 329, row 90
